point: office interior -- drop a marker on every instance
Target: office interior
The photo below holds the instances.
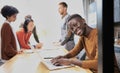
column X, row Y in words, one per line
column 46, row 17
column 44, row 20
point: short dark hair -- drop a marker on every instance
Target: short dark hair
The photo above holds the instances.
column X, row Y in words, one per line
column 74, row 16
column 64, row 4
column 8, row 11
column 26, row 22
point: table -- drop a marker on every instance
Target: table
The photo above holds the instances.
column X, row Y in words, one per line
column 31, row 63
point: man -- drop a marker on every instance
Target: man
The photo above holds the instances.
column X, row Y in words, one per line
column 67, row 37
column 88, row 41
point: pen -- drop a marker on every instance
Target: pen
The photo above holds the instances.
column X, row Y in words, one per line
column 48, row 57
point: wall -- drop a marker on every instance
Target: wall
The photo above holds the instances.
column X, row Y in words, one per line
column 45, row 15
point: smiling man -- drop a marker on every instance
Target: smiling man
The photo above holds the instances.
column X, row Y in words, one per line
column 88, row 41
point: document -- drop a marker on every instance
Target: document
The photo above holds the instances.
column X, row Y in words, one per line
column 28, row 51
column 51, row 53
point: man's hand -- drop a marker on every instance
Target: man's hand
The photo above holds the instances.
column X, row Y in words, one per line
column 61, row 61
column 58, row 57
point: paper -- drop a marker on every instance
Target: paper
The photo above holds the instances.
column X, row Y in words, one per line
column 45, row 53
column 28, row 51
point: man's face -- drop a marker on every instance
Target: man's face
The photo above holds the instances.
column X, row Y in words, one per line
column 61, row 9
column 77, row 27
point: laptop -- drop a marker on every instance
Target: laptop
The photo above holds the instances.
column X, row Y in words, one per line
column 51, row 67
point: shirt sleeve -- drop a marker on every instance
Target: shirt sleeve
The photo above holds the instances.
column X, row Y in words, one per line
column 67, row 37
column 76, row 49
column 21, row 39
column 11, row 52
column 92, row 63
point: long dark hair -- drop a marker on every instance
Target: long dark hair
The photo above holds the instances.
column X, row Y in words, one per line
column 26, row 22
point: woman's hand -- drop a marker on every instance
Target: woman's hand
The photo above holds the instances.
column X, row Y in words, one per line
column 21, row 51
column 39, row 45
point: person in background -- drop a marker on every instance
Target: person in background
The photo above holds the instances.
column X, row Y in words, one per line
column 34, row 30
column 88, row 41
column 9, row 43
column 67, row 37
column 24, row 34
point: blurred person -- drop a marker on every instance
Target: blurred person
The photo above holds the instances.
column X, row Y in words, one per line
column 9, row 43
column 34, row 30
column 67, row 37
column 24, row 34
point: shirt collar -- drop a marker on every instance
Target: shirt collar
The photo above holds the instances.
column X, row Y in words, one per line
column 8, row 22
column 65, row 16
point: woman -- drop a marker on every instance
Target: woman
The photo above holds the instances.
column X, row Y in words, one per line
column 9, row 43
column 24, row 34
column 34, row 30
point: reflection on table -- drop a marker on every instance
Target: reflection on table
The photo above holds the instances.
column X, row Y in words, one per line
column 31, row 63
